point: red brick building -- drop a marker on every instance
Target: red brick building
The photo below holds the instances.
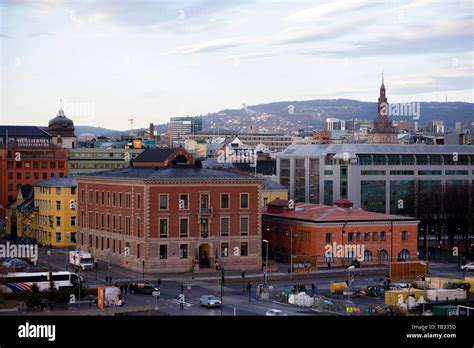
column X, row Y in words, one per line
column 166, row 219
column 309, row 231
column 27, row 155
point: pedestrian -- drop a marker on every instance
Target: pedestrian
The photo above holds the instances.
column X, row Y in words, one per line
column 110, row 278
column 329, row 265
column 126, row 288
column 121, row 289
column 90, row 301
column 313, row 288
column 106, row 279
column 243, row 279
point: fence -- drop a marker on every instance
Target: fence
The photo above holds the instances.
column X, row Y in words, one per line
column 320, row 303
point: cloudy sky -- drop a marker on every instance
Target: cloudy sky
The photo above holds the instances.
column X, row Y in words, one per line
column 109, row 60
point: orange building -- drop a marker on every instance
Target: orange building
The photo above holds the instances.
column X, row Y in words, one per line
column 317, row 234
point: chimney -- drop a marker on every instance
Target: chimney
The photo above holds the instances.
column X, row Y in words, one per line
column 152, row 131
column 344, row 203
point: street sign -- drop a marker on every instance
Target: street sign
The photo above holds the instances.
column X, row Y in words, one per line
column 156, row 293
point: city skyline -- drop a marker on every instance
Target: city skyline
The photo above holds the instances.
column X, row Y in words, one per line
column 157, row 60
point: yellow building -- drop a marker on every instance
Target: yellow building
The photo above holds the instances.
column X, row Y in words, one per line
column 20, row 214
column 272, row 190
column 55, row 221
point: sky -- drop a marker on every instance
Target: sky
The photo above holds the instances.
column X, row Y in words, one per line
column 105, row 61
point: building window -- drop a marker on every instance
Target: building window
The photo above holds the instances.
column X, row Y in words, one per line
column 244, row 200
column 114, row 223
column 404, row 254
column 244, row 249
column 120, row 200
column 44, row 175
column 120, row 224
column 114, row 199
column 128, row 201
column 224, row 226
column 108, row 222
column 358, row 236
column 139, row 201
column 58, row 205
column 382, row 235
column 28, row 175
column 138, row 251
column 404, row 235
column 163, row 202
column 163, row 228
column 52, row 165
column 350, row 236
column 96, row 197
column 204, row 204
column 58, row 237
column 224, row 201
column 58, row 221
column 265, row 201
column 366, row 236
column 138, row 227
column 383, row 255
column 374, row 236
column 328, row 237
column 183, row 201
column 73, row 190
column 18, row 175
column 163, row 252
column 73, row 220
column 128, row 225
column 183, row 251
column 183, row 227
column 224, row 249
column 367, row 255
column 204, row 226
column 244, row 226
column 10, row 175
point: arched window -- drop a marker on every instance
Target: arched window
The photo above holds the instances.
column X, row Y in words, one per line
column 405, row 254
column 367, row 255
column 383, row 255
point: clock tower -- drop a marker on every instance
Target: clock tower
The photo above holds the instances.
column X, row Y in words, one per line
column 383, row 132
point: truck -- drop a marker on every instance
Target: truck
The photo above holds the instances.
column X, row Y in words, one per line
column 81, row 259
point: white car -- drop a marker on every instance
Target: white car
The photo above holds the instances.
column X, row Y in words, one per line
column 276, row 313
column 468, row 267
column 210, row 301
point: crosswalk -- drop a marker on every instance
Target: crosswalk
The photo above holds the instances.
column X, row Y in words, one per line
column 189, row 302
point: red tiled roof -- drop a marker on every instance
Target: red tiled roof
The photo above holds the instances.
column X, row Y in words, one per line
column 325, row 213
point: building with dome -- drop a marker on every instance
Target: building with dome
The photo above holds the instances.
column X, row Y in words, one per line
column 61, row 130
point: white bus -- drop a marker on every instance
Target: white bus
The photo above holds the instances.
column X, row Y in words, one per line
column 17, row 282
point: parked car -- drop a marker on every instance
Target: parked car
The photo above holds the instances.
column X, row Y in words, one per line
column 15, row 264
column 468, row 267
column 210, row 301
column 142, row 288
column 276, row 313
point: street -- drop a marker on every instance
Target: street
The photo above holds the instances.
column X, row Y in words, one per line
column 235, row 300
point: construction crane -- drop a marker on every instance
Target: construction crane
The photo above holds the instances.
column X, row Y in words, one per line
column 131, row 124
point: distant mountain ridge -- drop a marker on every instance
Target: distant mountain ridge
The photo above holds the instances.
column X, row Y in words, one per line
column 289, row 116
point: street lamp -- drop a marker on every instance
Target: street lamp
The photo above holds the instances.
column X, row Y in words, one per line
column 266, row 265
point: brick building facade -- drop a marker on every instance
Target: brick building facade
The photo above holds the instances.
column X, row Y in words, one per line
column 27, row 155
column 156, row 219
column 380, row 238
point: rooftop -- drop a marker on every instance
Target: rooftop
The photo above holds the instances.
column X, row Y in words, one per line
column 23, row 131
column 58, row 182
column 165, row 173
column 310, row 212
column 324, row 149
column 155, row 154
column 270, row 184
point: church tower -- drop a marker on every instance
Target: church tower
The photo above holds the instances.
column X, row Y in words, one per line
column 383, row 132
